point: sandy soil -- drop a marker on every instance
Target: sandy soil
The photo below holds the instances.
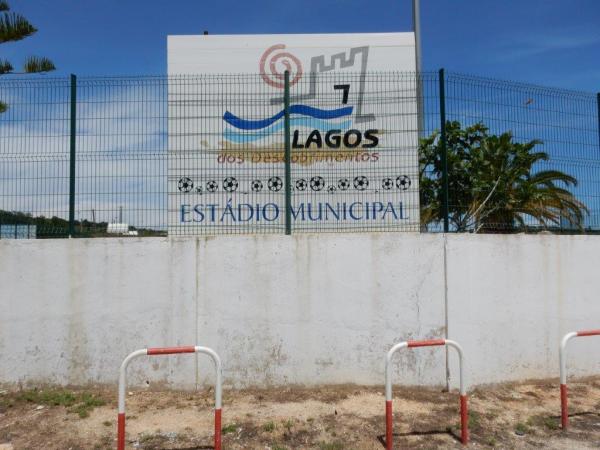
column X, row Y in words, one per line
column 524, row 415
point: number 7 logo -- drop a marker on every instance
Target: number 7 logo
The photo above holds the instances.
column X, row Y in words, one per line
column 346, row 89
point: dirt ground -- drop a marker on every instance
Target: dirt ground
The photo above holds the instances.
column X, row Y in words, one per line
column 524, row 415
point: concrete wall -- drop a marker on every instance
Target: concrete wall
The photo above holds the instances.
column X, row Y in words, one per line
column 306, row 309
column 512, row 298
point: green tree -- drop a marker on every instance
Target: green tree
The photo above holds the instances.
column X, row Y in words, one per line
column 14, row 27
column 493, row 183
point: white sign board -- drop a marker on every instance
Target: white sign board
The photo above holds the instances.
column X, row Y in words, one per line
column 353, row 134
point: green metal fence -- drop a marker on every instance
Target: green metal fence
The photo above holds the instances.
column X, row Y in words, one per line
column 325, row 152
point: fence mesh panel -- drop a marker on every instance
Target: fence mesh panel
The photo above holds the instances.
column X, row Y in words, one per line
column 358, row 172
column 206, row 155
column 34, row 154
column 224, row 179
column 564, row 122
column 121, row 147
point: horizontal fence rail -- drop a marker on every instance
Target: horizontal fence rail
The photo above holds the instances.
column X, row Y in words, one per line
column 331, row 151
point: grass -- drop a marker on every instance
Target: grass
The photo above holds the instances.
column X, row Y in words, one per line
column 521, row 428
column 6, row 403
column 288, row 424
column 87, row 403
column 80, row 403
column 48, row 398
column 231, row 428
column 279, row 447
column 474, row 421
column 146, row 438
column 543, row 422
column 550, row 423
column 269, row 427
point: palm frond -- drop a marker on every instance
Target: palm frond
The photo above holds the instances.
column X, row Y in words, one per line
column 553, row 175
column 553, row 204
column 14, row 27
column 494, row 182
column 5, row 67
column 36, row 64
column 4, row 5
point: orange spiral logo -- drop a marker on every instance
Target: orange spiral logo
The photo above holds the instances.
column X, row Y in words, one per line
column 273, row 64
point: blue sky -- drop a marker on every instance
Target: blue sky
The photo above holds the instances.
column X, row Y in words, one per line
column 549, row 42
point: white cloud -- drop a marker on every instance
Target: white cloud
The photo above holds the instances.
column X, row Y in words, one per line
column 534, row 44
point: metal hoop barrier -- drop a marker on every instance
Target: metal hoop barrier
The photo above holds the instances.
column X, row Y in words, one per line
column 564, row 406
column 168, row 351
column 388, row 386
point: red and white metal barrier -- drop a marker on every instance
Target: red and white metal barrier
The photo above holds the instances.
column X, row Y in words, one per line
column 564, row 406
column 388, row 386
column 168, row 351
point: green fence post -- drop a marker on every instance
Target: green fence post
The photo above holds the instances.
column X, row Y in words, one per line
column 72, row 156
column 444, row 149
column 288, row 157
column 598, row 101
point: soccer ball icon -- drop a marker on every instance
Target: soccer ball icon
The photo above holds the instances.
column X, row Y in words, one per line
column 275, row 184
column 230, row 184
column 361, row 183
column 185, row 184
column 343, row 184
column 331, row 188
column 301, row 184
column 317, row 183
column 403, row 182
column 212, row 186
column 387, row 184
column 256, row 185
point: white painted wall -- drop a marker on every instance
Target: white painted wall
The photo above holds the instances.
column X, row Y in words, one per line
column 306, row 309
column 219, row 54
column 512, row 298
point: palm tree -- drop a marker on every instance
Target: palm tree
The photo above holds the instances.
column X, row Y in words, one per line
column 493, row 184
column 14, row 27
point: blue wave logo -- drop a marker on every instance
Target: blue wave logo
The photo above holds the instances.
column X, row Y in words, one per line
column 316, row 118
